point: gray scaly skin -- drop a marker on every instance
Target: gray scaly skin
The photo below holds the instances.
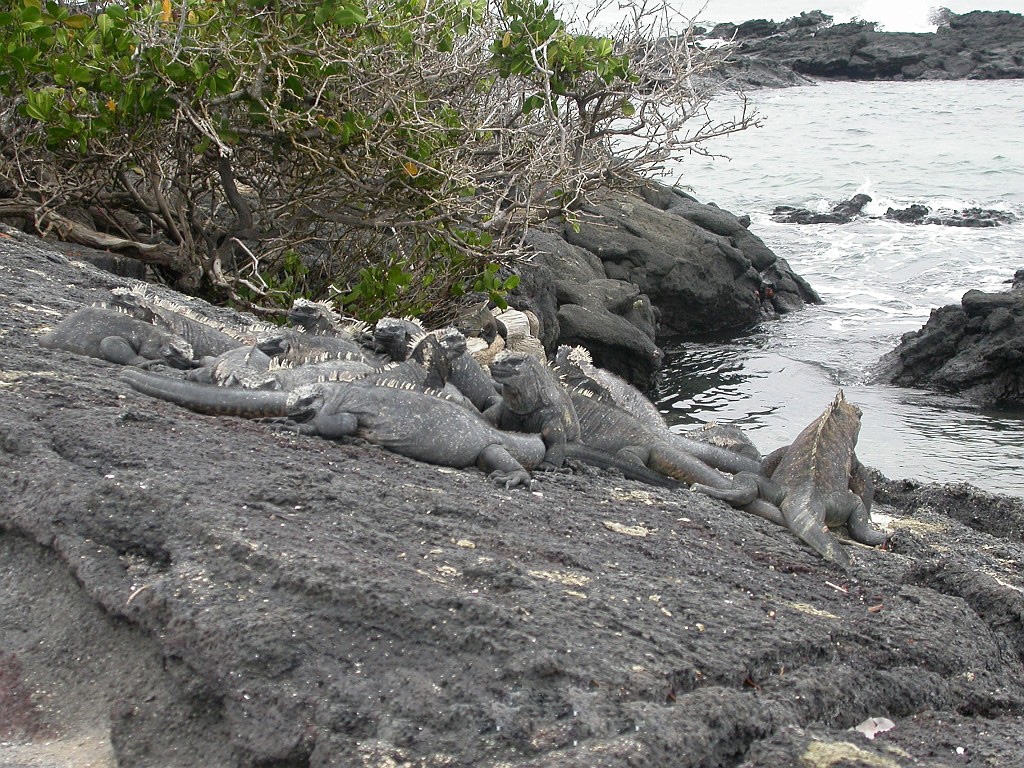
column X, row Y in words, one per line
column 533, row 400
column 467, row 375
column 426, row 369
column 206, row 339
column 238, row 367
column 296, row 348
column 318, row 318
column 578, row 372
column 612, row 430
column 396, row 337
column 416, row 425
column 576, row 367
column 212, row 399
column 730, row 438
column 817, row 482
column 112, row 335
column 288, row 377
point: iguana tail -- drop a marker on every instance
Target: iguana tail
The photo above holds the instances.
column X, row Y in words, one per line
column 209, row 398
column 605, row 460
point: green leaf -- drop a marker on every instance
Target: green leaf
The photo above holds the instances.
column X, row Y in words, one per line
column 530, row 103
column 80, row 74
column 349, row 17
column 78, row 21
column 33, row 111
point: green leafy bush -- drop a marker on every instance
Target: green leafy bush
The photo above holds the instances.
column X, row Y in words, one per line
column 390, row 153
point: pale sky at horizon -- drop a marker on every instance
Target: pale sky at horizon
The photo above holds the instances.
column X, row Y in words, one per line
column 894, row 15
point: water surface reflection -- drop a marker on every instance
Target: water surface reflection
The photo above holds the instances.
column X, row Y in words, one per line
column 772, row 395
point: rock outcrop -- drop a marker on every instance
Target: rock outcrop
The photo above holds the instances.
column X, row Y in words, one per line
column 981, row 45
column 183, row 590
column 637, row 268
column 975, row 349
column 848, row 210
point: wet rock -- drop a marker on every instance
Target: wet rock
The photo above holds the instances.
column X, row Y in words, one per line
column 967, row 217
column 841, row 213
column 848, row 210
column 975, row 348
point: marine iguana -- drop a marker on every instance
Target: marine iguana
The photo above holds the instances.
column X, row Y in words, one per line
column 414, row 424
column 575, row 367
column 467, row 375
column 297, row 348
column 614, row 431
column 238, row 367
column 577, row 371
column 111, row 335
column 533, row 400
column 284, row 376
column 817, row 482
column 207, row 339
column 726, row 436
column 425, row 367
column 318, row 318
column 396, row 336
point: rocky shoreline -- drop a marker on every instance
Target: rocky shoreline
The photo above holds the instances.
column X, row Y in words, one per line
column 185, row 590
column 980, row 45
column 974, row 349
column 640, row 267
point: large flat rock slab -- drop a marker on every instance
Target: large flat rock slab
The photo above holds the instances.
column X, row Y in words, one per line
column 212, row 592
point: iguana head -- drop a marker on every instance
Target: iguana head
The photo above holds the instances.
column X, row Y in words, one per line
column 392, row 335
column 836, row 430
column 274, row 346
column 571, row 364
column 306, row 314
column 131, row 304
column 177, row 353
column 304, row 402
column 521, row 379
column 479, row 322
column 452, row 341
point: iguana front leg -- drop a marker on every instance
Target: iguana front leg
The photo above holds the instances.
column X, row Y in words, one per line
column 554, row 438
column 117, row 349
column 502, row 468
column 331, row 426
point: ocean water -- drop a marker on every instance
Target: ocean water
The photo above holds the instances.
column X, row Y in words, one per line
column 945, row 145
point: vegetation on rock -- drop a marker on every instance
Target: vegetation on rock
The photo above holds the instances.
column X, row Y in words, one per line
column 386, row 154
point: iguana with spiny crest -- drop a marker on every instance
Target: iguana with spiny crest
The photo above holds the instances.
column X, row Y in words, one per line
column 414, row 424
column 533, row 400
column 817, row 482
column 111, row 335
column 577, row 371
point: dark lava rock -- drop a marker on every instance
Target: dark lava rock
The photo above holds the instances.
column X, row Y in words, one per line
column 183, row 590
column 848, row 210
column 639, row 267
column 968, row 217
column 980, row 45
column 975, row 349
column 841, row 213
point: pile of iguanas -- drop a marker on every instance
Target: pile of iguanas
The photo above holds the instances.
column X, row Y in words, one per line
column 427, row 396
